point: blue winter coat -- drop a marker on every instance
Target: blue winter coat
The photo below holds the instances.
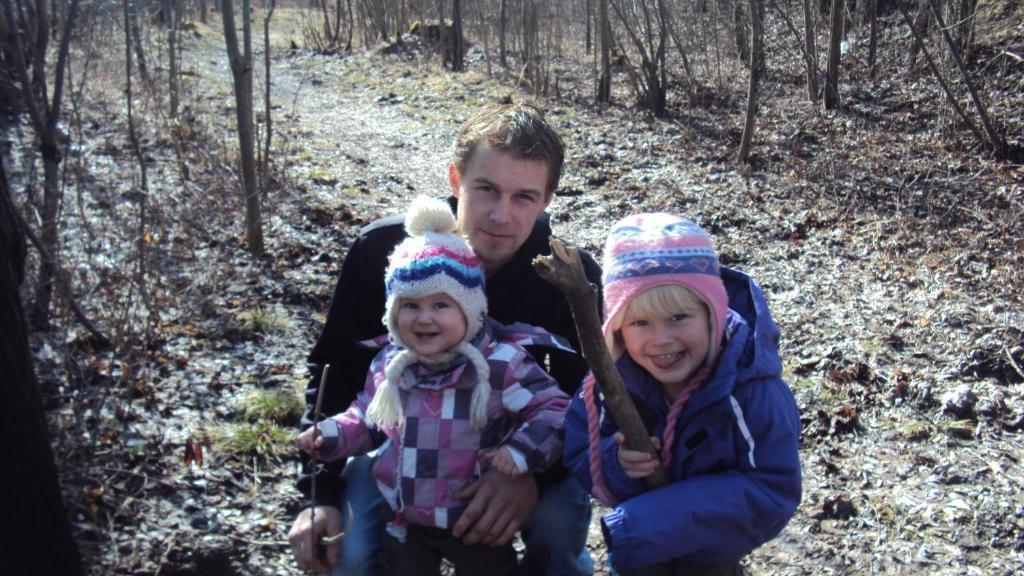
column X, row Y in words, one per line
column 734, row 478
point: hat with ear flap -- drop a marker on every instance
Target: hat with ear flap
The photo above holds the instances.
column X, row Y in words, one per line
column 647, row 250
column 434, row 259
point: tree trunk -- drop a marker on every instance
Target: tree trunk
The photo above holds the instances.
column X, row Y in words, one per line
column 45, row 117
column 457, row 51
column 920, row 29
column 140, row 52
column 171, row 14
column 998, row 144
column 741, row 32
column 241, row 71
column 588, row 17
column 604, row 81
column 502, row 28
column 810, row 46
column 133, row 138
column 757, row 69
column 34, row 537
column 873, row 41
column 268, row 118
column 832, row 73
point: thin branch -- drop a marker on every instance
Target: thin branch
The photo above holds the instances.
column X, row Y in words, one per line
column 63, row 284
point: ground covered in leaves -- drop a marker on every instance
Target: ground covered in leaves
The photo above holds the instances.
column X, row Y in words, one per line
column 889, row 248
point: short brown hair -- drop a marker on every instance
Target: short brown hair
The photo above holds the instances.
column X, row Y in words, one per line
column 516, row 129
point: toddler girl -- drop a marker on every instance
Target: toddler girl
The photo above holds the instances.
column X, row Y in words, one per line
column 452, row 393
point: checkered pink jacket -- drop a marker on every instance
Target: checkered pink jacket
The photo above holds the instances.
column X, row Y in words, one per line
column 420, row 465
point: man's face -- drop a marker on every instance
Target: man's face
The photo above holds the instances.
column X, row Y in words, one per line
column 500, row 197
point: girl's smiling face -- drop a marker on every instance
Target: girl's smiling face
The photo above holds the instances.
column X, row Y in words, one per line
column 431, row 324
column 670, row 338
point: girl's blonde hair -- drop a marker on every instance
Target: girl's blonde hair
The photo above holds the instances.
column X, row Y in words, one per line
column 663, row 300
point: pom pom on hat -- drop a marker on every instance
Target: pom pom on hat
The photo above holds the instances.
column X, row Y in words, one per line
column 647, row 250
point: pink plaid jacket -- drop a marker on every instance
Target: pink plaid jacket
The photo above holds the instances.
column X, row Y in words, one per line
column 435, row 454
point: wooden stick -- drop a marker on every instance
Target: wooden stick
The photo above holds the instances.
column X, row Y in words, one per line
column 565, row 270
column 313, row 465
column 324, row 540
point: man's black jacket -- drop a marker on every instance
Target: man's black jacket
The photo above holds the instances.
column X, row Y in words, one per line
column 515, row 293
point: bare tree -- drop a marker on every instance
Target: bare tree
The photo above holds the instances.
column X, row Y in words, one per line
column 45, row 117
column 757, row 70
column 647, row 28
column 502, row 26
column 268, row 118
column 872, row 16
column 34, row 533
column 996, row 141
column 456, row 36
column 170, row 16
column 139, row 49
column 604, row 81
column 133, row 137
column 835, row 38
column 241, row 71
column 811, row 51
column 741, row 32
column 920, row 29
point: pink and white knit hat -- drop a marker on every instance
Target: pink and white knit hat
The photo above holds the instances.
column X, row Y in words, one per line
column 647, row 250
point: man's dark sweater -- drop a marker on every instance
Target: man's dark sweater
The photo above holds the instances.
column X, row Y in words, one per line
column 515, row 293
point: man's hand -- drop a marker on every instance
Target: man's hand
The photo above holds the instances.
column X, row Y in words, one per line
column 319, row 559
column 498, row 505
column 635, row 464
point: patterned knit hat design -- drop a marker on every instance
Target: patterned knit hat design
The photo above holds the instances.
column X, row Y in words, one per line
column 432, row 260
column 647, row 250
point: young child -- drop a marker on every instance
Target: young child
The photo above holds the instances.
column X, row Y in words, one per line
column 452, row 393
column 698, row 351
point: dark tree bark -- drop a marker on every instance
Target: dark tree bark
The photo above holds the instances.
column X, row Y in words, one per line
column 757, row 70
column 502, row 27
column 241, row 71
column 811, row 50
column 170, row 8
column 457, row 47
column 998, row 144
column 604, row 81
column 741, row 32
column 45, row 117
column 34, row 533
column 835, row 38
column 140, row 52
column 268, row 118
column 920, row 29
column 872, row 7
column 648, row 31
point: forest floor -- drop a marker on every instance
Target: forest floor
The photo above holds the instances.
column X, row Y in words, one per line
column 888, row 245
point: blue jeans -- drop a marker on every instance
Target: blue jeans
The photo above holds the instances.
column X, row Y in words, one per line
column 363, row 500
column 555, row 533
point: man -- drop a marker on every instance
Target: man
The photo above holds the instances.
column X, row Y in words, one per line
column 506, row 167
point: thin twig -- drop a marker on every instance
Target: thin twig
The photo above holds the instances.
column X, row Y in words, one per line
column 312, row 475
column 1016, row 367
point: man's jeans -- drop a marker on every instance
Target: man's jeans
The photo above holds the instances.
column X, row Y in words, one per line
column 555, row 533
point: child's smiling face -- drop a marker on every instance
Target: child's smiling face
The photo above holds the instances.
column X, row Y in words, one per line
column 431, row 324
column 670, row 345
